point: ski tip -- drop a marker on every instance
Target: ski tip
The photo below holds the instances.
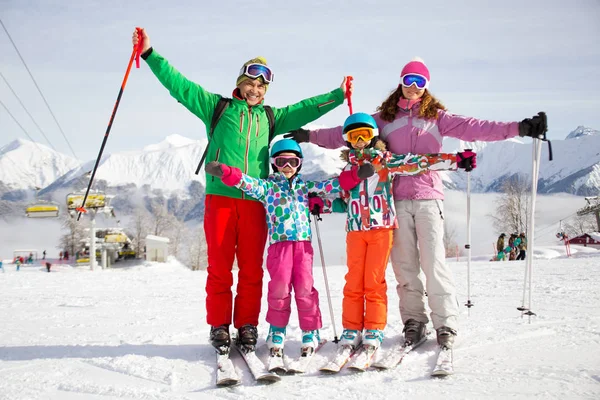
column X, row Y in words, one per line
column 268, row 379
column 229, row 382
column 441, row 373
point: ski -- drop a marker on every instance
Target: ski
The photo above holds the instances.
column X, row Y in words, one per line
column 396, row 354
column 226, row 374
column 300, row 365
column 256, row 366
column 363, row 358
column 343, row 354
column 444, row 364
column 275, row 363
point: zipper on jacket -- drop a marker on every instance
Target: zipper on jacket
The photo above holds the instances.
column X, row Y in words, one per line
column 248, row 133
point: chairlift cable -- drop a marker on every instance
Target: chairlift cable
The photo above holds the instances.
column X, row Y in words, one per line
column 27, row 111
column 39, row 90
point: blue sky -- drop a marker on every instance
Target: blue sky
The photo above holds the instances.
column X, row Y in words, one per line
column 501, row 61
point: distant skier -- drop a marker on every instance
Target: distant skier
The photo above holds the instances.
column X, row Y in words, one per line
column 44, row 255
column 500, row 247
column 522, row 247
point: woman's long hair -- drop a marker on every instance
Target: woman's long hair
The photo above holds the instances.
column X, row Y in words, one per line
column 428, row 109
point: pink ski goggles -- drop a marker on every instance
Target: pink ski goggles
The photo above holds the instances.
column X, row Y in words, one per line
column 282, row 161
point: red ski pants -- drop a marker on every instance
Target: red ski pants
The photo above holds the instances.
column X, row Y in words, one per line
column 234, row 228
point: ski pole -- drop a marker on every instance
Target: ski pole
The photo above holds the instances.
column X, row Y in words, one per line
column 317, row 216
column 469, row 304
column 349, row 80
column 135, row 54
column 536, row 148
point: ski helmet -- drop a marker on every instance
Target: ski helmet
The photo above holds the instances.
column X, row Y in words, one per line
column 359, row 120
column 283, row 146
column 286, row 145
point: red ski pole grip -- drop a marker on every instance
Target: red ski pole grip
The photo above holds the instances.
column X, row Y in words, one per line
column 138, row 49
column 349, row 80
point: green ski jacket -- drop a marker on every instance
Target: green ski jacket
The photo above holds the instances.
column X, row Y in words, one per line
column 241, row 138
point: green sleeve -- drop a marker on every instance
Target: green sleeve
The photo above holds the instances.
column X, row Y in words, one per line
column 193, row 96
column 339, row 206
column 297, row 115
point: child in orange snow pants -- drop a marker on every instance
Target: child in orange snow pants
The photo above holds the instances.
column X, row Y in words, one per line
column 371, row 219
column 367, row 253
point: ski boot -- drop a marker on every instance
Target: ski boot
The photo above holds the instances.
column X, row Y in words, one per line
column 373, row 338
column 413, row 332
column 351, row 338
column 247, row 337
column 275, row 340
column 445, row 337
column 219, row 338
column 310, row 341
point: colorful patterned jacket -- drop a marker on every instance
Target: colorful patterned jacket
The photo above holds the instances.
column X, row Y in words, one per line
column 369, row 202
column 286, row 203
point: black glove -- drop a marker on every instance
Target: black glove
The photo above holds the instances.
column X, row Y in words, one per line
column 535, row 127
column 365, row 171
column 299, row 135
column 214, row 168
column 466, row 159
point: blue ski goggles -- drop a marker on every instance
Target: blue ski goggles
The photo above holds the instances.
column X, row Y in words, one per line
column 258, row 70
column 414, row 79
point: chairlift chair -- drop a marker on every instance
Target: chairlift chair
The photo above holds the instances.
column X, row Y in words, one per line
column 42, row 209
column 94, row 200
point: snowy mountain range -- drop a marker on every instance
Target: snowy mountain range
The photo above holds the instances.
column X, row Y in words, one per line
column 165, row 171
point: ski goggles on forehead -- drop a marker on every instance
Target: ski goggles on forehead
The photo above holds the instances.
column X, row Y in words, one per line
column 353, row 136
column 414, row 79
column 282, row 161
column 257, row 70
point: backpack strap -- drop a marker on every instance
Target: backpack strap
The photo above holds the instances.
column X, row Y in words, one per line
column 220, row 108
column 271, row 118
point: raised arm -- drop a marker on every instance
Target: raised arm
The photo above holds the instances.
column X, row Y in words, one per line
column 191, row 95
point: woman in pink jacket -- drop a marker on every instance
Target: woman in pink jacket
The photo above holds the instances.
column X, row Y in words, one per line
column 411, row 120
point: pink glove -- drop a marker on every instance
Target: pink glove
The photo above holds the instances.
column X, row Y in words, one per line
column 349, row 178
column 231, row 175
column 315, row 205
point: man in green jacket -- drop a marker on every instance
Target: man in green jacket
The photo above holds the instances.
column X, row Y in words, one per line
column 234, row 224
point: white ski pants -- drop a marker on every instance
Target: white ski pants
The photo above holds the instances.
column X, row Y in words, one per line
column 419, row 245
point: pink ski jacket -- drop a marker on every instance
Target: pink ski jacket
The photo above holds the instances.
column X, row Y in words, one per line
column 409, row 133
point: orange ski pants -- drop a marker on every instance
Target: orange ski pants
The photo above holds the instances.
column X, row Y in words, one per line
column 365, row 292
column 234, row 228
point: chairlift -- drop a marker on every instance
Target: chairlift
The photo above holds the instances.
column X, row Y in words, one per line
column 42, row 209
column 94, row 200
